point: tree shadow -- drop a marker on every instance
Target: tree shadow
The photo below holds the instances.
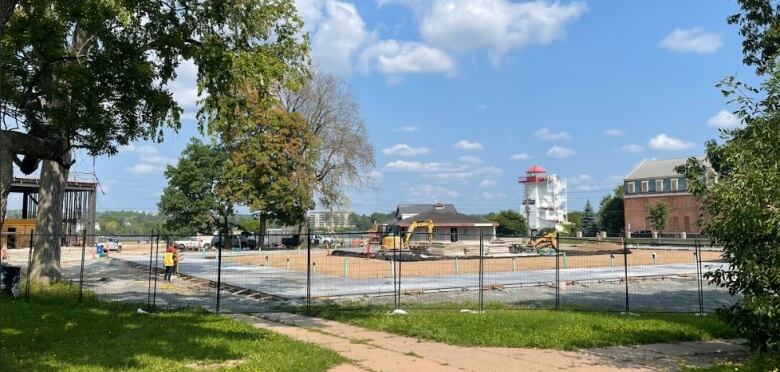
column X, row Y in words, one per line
column 56, row 332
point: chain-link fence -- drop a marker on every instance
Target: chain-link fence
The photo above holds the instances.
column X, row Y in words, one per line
column 464, row 269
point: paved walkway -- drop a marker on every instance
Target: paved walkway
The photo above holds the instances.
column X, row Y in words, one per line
column 380, row 351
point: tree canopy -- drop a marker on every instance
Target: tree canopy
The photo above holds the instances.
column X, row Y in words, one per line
column 739, row 184
column 658, row 214
column 344, row 155
column 611, row 213
column 510, row 223
column 94, row 74
column 269, row 170
column 190, row 202
column 588, row 223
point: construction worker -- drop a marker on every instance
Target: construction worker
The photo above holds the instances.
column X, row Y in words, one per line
column 169, row 261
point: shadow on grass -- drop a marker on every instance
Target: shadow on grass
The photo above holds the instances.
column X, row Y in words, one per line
column 55, row 332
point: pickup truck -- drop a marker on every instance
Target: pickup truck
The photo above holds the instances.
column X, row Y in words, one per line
column 194, row 243
column 319, row 239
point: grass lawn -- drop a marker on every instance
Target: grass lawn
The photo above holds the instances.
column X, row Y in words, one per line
column 55, row 333
column 546, row 329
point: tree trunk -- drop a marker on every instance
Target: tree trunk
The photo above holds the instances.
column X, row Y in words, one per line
column 6, row 177
column 48, row 227
column 262, row 232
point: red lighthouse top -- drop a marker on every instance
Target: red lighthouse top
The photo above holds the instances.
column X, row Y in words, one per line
column 534, row 174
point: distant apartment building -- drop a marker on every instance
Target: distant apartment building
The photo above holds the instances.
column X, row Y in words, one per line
column 325, row 220
column 654, row 181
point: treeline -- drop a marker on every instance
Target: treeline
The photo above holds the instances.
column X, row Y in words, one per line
column 140, row 223
column 609, row 217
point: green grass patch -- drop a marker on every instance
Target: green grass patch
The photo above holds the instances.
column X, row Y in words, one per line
column 55, row 333
column 505, row 327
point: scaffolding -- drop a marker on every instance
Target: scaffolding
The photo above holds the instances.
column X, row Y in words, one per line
column 78, row 208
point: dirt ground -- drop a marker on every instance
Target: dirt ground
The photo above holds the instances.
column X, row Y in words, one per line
column 360, row 268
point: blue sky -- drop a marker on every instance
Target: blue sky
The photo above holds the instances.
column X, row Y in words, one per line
column 460, row 97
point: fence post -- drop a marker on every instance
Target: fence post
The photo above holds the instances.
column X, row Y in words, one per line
column 396, row 292
column 481, row 271
column 29, row 266
column 308, row 269
column 557, row 246
column 81, row 271
column 400, row 263
column 625, row 270
column 699, row 276
column 156, row 263
column 151, row 257
column 222, row 243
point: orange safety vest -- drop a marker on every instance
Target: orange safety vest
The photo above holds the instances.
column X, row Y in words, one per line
column 168, row 259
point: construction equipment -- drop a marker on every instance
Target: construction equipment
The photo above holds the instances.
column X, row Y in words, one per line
column 373, row 234
column 395, row 242
column 545, row 241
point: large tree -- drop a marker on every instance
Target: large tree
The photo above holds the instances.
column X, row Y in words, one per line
column 589, row 224
column 270, row 170
column 510, row 223
column 738, row 183
column 190, row 202
column 344, row 155
column 93, row 75
column 611, row 214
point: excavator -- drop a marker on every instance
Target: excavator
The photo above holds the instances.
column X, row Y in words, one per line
column 543, row 243
column 395, row 242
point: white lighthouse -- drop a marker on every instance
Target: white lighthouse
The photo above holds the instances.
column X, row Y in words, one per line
column 544, row 200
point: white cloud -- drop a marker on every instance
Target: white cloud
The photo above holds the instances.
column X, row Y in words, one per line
column 559, row 152
column 614, row 132
column 694, row 40
column 144, row 169
column 491, row 195
column 487, row 184
column 463, row 173
column 467, row 145
column 403, row 149
column 185, row 88
column 375, row 174
column 665, row 142
column 470, row 160
column 632, row 148
column 522, row 156
column 406, row 129
column 150, row 159
column 394, row 58
column 429, row 191
column 548, row 135
column 338, row 36
column 583, row 182
column 495, row 25
column 310, row 11
column 417, row 166
column 724, row 120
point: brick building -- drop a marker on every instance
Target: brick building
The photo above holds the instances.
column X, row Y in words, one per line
column 655, row 181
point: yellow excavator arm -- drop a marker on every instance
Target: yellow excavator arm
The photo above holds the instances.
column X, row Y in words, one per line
column 413, row 226
column 402, row 242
